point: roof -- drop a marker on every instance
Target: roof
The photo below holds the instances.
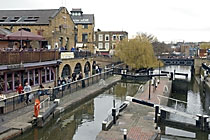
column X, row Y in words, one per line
column 83, row 19
column 13, row 17
column 4, row 32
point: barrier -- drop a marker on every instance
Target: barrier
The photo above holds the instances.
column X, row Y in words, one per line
column 14, row 102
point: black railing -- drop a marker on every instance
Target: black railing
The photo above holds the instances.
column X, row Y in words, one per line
column 13, row 103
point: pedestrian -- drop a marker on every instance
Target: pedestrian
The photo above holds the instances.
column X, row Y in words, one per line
column 20, row 92
column 69, row 81
column 80, row 76
column 59, row 81
column 63, row 82
column 74, row 76
column 97, row 70
column 27, row 89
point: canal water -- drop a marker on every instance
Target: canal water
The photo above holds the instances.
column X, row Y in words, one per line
column 85, row 122
column 197, row 102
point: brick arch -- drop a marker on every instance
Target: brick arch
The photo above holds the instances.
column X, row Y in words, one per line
column 66, row 71
column 78, row 68
column 87, row 69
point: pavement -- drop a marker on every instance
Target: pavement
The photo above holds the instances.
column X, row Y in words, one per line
column 17, row 122
column 139, row 119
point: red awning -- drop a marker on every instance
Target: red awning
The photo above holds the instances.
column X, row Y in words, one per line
column 23, row 35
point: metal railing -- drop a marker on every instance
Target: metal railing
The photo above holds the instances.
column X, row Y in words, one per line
column 176, row 101
column 19, row 101
column 69, row 88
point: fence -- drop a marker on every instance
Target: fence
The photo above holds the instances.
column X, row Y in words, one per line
column 18, row 101
column 69, row 88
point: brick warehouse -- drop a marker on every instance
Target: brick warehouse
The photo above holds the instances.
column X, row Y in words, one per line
column 55, row 25
column 84, row 25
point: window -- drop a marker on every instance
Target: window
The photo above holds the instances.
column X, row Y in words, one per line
column 25, row 78
column 107, row 46
column 100, row 37
column 52, row 75
column 43, row 76
column 85, row 26
column 106, row 37
column 48, row 73
column 36, row 76
column 113, row 45
column 85, row 38
column 2, row 85
column 17, row 79
column 94, row 37
column 9, row 81
column 121, row 37
column 114, row 37
column 31, row 78
column 100, row 45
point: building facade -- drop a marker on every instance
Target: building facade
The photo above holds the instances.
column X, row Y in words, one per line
column 55, row 25
column 106, row 41
column 84, row 26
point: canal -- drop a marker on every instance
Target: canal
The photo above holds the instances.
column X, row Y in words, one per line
column 198, row 102
column 85, row 122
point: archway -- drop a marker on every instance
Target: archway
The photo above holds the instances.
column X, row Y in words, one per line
column 78, row 68
column 87, row 69
column 66, row 71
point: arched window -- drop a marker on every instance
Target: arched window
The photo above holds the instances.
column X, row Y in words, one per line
column 66, row 71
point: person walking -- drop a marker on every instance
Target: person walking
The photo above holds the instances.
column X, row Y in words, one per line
column 59, row 81
column 27, row 89
column 20, row 91
column 69, row 81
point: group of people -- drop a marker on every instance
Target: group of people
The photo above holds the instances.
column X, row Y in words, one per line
column 26, row 89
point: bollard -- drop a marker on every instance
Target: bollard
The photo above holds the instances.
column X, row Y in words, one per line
column 156, row 113
column 199, row 121
column 114, row 115
column 205, row 122
column 162, row 115
column 125, row 134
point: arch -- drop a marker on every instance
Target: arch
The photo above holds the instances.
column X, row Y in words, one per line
column 26, row 29
column 78, row 68
column 87, row 69
column 66, row 71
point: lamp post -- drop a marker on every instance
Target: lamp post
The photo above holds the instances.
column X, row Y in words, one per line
column 159, row 72
column 149, row 87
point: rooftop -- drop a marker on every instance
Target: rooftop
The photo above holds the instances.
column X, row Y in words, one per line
column 79, row 18
column 18, row 17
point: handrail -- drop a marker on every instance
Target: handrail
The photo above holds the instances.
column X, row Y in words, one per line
column 176, row 100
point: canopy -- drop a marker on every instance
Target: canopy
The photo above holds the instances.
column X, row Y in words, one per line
column 23, row 35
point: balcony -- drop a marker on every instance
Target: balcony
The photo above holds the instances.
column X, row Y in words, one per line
column 17, row 57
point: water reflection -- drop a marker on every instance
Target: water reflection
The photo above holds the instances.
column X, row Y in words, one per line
column 197, row 103
column 84, row 123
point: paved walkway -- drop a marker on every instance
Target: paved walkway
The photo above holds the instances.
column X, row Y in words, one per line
column 12, row 123
column 137, row 119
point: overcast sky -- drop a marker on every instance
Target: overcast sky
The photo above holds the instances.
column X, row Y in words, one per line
column 168, row 20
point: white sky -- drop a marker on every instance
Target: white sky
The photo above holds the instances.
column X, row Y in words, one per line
column 168, row 20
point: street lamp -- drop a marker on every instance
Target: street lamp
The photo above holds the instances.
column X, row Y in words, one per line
column 149, row 86
column 159, row 72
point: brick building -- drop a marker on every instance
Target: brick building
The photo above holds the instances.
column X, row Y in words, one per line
column 84, row 25
column 55, row 25
column 105, row 41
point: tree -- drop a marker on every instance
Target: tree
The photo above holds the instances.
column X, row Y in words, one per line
column 137, row 53
column 151, row 38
